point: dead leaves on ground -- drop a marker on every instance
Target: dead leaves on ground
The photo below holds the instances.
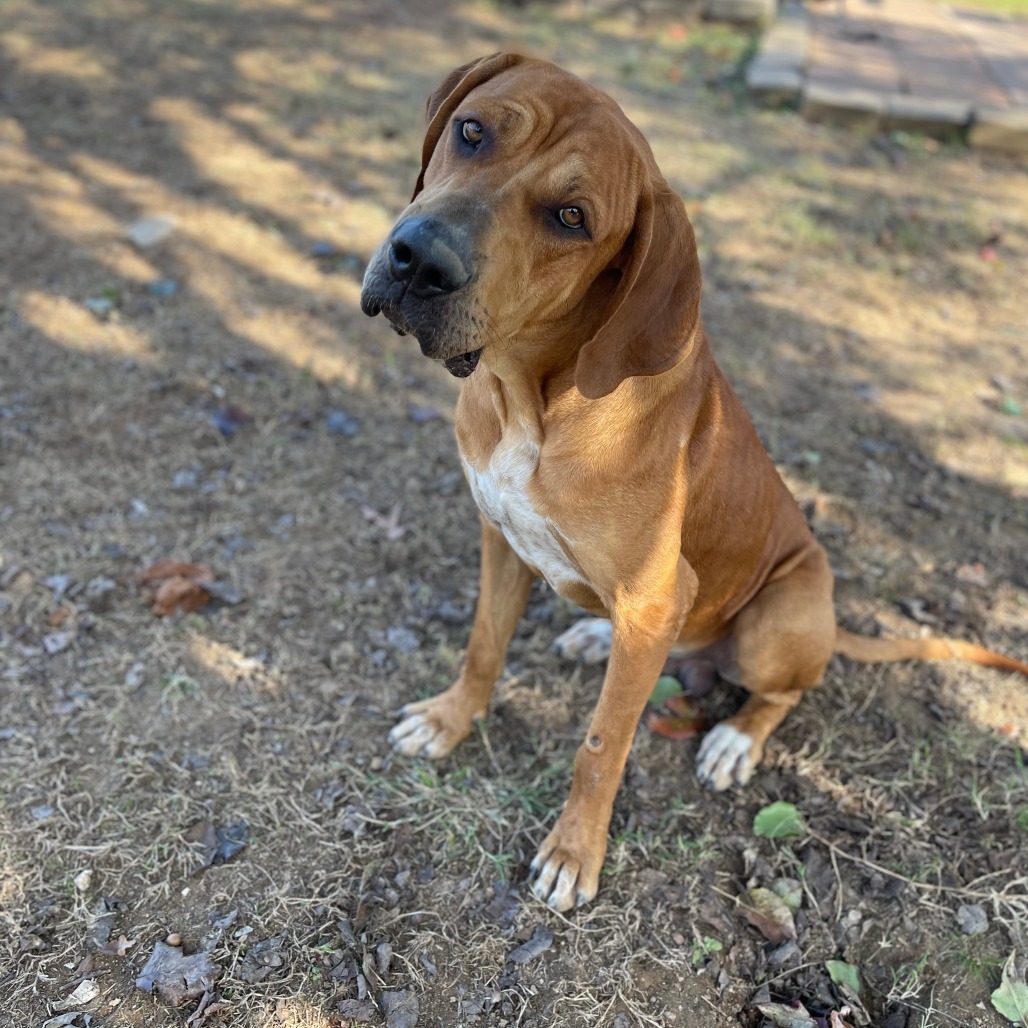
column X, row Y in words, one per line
column 795, row 1015
column 171, row 586
column 219, row 842
column 174, row 585
column 683, row 722
column 177, row 977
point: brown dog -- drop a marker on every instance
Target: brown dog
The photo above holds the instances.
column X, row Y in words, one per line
column 603, row 446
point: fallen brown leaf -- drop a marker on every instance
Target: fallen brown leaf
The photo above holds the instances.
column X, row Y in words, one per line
column 179, row 593
column 769, row 914
column 683, row 724
column 175, row 569
column 179, row 586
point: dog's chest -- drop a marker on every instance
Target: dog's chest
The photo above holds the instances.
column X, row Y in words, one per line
column 500, row 488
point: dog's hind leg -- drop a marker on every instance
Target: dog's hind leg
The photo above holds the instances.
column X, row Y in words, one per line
column 782, row 642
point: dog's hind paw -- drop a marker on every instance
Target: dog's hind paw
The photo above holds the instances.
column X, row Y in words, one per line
column 587, row 640
column 725, row 758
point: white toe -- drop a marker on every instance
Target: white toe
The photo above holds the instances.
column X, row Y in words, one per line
column 412, row 734
column 587, row 640
column 724, row 758
column 406, row 726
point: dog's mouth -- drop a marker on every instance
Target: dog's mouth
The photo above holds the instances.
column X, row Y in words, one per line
column 460, row 366
column 463, row 364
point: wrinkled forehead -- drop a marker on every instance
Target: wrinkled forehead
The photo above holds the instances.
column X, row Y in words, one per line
column 575, row 137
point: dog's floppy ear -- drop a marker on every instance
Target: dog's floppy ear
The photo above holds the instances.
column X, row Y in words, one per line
column 446, row 99
column 654, row 311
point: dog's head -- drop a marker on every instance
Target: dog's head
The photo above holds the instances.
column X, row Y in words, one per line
column 539, row 212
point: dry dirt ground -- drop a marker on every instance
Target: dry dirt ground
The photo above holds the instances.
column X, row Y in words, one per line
column 866, row 296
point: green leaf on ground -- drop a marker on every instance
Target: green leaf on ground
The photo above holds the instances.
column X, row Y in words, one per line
column 778, row 820
column 844, row 975
column 1011, row 998
column 666, row 687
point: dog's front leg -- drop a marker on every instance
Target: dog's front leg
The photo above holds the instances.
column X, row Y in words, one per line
column 568, row 863
column 433, row 727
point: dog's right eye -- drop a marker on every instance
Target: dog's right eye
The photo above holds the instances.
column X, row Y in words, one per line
column 472, row 132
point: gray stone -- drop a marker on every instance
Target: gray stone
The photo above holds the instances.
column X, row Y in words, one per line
column 972, row 919
column 842, row 105
column 785, row 43
column 741, row 10
column 932, row 116
column 772, row 84
column 996, row 129
column 149, row 231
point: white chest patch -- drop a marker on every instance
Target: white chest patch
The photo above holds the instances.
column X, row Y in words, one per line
column 501, row 492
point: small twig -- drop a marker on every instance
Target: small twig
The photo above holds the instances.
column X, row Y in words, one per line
column 484, row 733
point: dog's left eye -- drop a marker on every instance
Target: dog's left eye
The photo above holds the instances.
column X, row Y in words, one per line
column 472, row 132
column 571, row 217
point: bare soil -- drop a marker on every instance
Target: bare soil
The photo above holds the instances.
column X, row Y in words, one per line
column 865, row 295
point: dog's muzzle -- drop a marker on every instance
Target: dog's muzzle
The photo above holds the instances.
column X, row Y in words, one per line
column 416, row 280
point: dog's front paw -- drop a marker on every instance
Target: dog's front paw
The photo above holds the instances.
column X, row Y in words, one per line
column 587, row 640
column 726, row 757
column 431, row 728
column 567, row 866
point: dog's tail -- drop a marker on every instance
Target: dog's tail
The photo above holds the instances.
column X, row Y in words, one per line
column 871, row 651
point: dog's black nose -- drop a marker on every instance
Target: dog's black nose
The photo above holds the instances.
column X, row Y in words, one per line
column 426, row 253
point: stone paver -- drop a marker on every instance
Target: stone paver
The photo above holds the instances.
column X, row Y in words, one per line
column 1001, row 130
column 900, row 64
column 1005, row 52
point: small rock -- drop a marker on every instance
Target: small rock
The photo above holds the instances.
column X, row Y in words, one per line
column 149, row 231
column 339, row 422
column 134, row 675
column 101, row 306
column 542, row 940
column 174, row 939
column 60, row 585
column 359, row 1010
column 99, row 586
column 57, row 642
column 972, row 919
column 422, row 415
column 400, row 1009
column 322, row 248
column 786, row 955
column 229, row 420
column 42, row 812
column 402, row 639
column 83, row 880
column 162, row 287
column 383, row 957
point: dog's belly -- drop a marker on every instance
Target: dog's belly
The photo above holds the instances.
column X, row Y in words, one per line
column 501, row 492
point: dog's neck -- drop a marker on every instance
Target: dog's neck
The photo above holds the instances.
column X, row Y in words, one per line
column 536, row 375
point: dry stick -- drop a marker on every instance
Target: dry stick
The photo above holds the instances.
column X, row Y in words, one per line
column 838, row 888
